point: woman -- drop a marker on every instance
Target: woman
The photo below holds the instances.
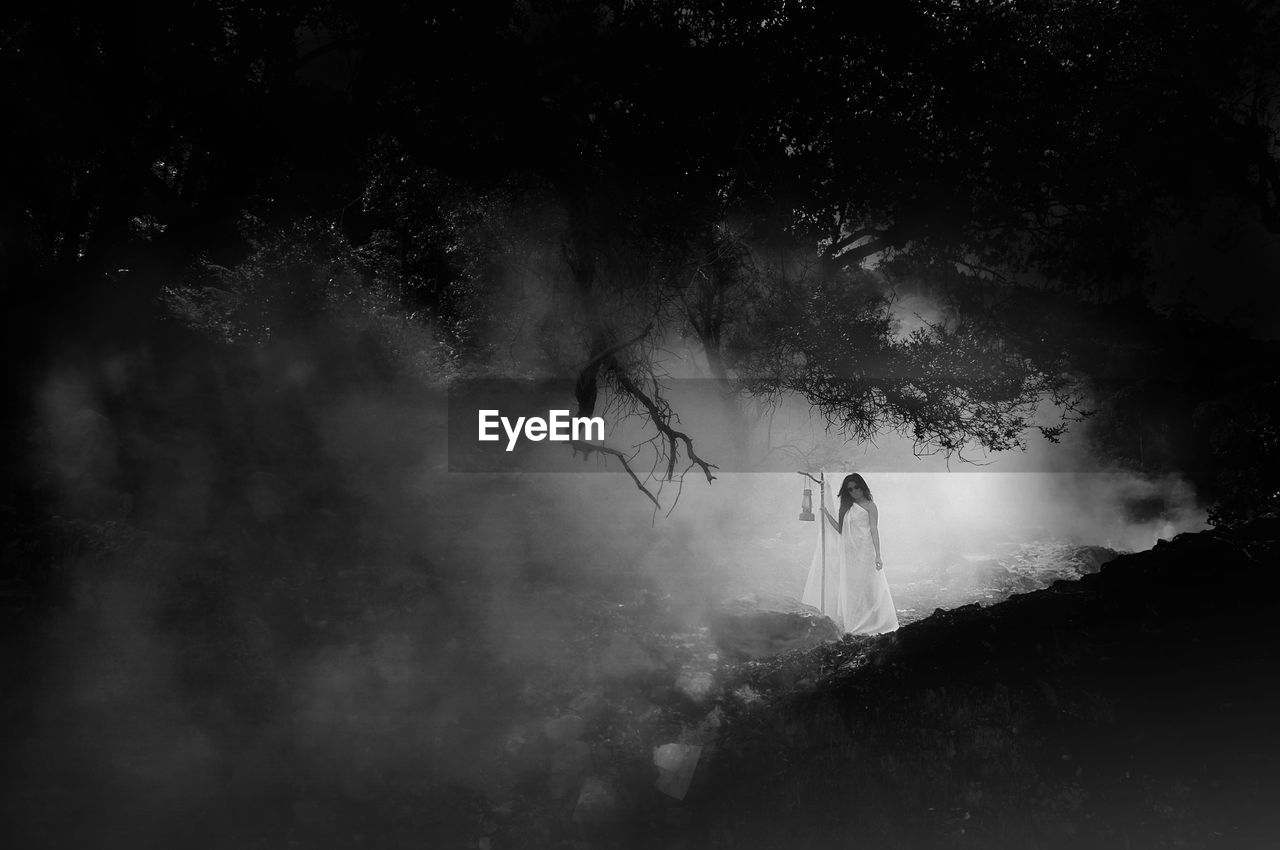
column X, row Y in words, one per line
column 856, row 591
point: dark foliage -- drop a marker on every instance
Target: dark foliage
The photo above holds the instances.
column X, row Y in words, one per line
column 645, row 160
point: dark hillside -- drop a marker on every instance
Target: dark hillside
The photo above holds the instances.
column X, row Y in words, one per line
column 1133, row 708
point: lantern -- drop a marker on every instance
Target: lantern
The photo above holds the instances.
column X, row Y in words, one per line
column 806, row 514
column 806, row 506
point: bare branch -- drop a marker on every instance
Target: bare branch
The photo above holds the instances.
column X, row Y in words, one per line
column 588, row 448
column 661, row 421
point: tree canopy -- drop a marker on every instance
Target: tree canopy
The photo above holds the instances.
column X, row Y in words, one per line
column 600, row 179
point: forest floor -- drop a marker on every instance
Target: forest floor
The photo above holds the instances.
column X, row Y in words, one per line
column 1061, row 699
column 1133, row 707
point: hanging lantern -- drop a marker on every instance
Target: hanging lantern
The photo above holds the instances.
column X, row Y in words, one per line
column 806, row 506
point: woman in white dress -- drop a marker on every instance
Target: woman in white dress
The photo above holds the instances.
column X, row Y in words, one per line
column 856, row 592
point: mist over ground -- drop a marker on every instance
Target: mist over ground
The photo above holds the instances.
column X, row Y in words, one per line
column 269, row 592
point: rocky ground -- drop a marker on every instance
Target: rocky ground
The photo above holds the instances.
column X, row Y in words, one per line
column 1130, row 707
column 1126, row 704
column 1129, row 703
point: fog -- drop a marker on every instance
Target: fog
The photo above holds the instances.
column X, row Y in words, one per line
column 741, row 534
column 275, row 595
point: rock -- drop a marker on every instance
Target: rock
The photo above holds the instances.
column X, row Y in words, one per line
column 676, row 764
column 758, row 626
column 1090, row 559
column 1026, row 683
column 695, row 684
column 597, row 805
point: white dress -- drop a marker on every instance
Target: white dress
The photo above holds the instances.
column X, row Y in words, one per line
column 857, row 594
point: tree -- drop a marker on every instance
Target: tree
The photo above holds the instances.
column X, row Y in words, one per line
column 637, row 174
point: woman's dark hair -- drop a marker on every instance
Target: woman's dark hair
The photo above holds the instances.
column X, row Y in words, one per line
column 846, row 501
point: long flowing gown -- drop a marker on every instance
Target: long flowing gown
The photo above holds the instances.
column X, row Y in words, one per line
column 857, row 594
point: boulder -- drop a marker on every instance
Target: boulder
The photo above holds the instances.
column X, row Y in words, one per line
column 676, row 764
column 1090, row 559
column 695, row 684
column 758, row 626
